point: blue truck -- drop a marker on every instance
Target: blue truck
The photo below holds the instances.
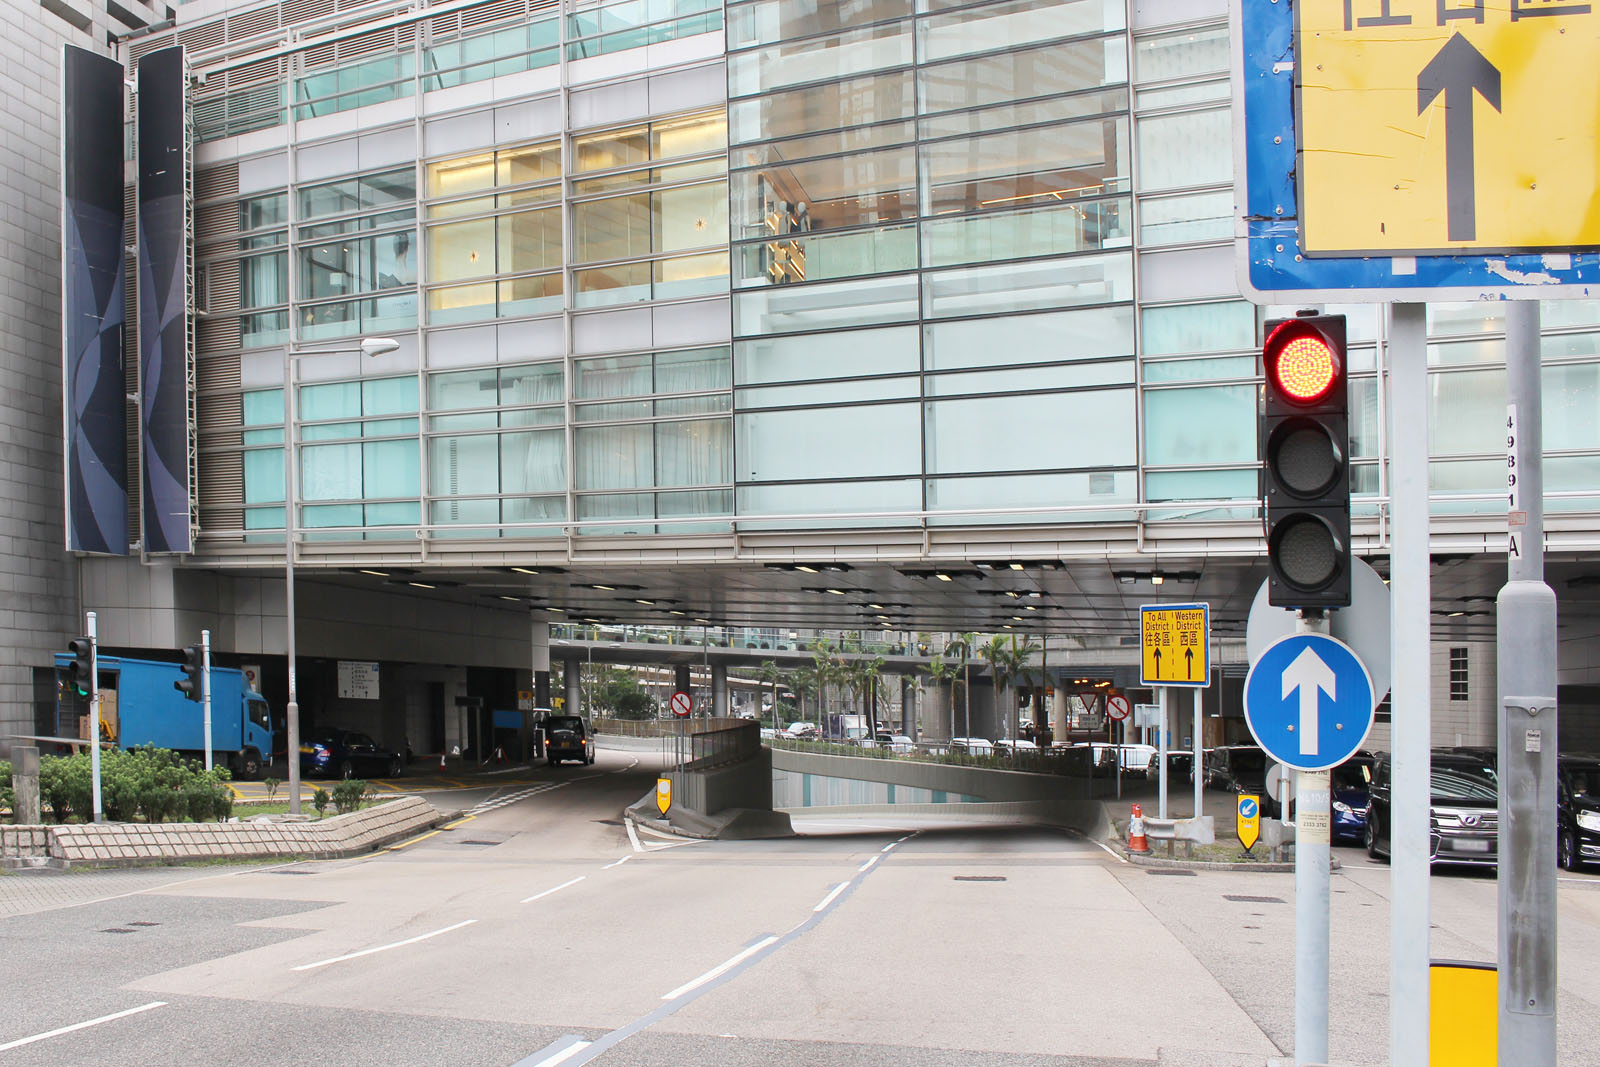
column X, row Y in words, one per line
column 139, row 705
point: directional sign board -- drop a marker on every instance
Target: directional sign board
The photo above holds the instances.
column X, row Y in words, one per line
column 1249, row 820
column 681, row 704
column 1308, row 701
column 1415, row 149
column 1176, row 639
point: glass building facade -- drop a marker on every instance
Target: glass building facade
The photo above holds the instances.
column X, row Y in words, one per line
column 681, row 269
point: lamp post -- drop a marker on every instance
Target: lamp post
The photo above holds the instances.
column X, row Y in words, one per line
column 370, row 346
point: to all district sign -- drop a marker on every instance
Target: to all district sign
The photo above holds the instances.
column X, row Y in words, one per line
column 1436, row 126
column 1176, row 644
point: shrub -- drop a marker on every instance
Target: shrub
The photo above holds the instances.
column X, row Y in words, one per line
column 319, row 800
column 150, row 783
column 7, row 800
column 272, row 785
column 348, row 794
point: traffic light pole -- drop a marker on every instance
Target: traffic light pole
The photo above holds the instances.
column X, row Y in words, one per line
column 205, row 687
column 1313, row 895
column 94, row 716
column 1526, row 661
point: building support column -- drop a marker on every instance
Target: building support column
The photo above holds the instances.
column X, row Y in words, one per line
column 719, row 691
column 574, row 691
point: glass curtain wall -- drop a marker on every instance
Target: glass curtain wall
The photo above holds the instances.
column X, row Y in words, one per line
column 931, row 215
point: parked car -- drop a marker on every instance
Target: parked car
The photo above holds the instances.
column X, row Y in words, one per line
column 1007, row 747
column 899, row 744
column 972, row 746
column 1241, row 769
column 802, row 731
column 335, row 753
column 568, row 737
column 1352, row 795
column 1463, row 816
column 1577, row 811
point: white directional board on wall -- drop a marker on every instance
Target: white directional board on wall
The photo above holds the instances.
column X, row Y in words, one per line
column 1308, row 701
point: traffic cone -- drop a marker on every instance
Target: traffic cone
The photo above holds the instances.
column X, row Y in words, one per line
column 1136, row 838
column 500, row 755
column 441, row 762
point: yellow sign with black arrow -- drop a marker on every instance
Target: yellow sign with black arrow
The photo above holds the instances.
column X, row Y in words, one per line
column 1434, row 127
column 1176, row 644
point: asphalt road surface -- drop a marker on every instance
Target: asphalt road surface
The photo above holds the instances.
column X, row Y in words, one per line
column 539, row 931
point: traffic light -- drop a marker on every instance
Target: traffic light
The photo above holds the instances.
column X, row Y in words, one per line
column 189, row 685
column 81, row 670
column 1304, row 441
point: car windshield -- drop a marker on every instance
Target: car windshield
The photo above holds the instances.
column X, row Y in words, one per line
column 1465, row 781
column 1585, row 780
column 1248, row 760
column 566, row 722
column 1352, row 776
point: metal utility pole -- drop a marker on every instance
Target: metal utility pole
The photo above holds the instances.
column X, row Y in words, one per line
column 1411, row 732
column 1312, row 898
column 94, row 715
column 1526, row 660
column 205, row 688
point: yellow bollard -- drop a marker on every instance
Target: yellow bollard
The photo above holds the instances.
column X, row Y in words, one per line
column 1463, row 1015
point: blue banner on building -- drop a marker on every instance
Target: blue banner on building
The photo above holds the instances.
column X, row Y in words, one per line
column 165, row 362
column 92, row 314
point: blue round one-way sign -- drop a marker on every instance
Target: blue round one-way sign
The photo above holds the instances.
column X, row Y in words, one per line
column 1308, row 701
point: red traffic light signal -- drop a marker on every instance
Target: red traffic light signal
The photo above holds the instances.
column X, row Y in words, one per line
column 1305, row 462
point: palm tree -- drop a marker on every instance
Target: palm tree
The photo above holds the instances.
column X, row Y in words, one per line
column 1007, row 661
column 803, row 680
column 962, row 647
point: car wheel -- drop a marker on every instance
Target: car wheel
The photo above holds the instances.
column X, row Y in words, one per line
column 250, row 765
column 1567, row 851
column 347, row 770
column 552, row 761
column 396, row 767
column 1372, row 836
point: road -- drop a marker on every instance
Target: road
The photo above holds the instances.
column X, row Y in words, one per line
column 538, row 931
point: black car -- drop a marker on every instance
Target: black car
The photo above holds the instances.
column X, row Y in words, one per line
column 1241, row 769
column 568, row 737
column 1351, row 783
column 334, row 753
column 1577, row 810
column 1463, row 816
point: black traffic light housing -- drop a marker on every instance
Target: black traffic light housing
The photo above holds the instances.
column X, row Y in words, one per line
column 190, row 685
column 80, row 672
column 1304, row 442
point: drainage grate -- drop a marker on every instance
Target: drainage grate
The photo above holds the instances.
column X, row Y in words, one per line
column 471, row 842
column 117, row 930
column 1170, row 871
column 144, row 924
column 1253, row 900
column 291, row 872
column 980, row 877
column 608, row 822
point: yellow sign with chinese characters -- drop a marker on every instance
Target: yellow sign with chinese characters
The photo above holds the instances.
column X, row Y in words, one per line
column 1176, row 643
column 1438, row 126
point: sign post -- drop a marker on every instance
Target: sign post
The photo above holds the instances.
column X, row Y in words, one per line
column 1175, row 643
column 1308, row 703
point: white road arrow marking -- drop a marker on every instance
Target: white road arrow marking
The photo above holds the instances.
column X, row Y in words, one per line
column 1308, row 673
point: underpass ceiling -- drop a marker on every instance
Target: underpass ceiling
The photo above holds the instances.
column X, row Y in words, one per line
column 1081, row 598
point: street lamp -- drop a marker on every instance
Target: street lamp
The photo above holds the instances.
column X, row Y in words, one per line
column 370, row 346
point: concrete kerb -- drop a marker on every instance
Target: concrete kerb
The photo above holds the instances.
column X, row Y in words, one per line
column 161, row 844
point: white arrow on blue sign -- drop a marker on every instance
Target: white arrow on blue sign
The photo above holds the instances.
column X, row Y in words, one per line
column 1308, row 701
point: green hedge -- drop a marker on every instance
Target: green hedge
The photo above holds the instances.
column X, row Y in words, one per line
column 149, row 784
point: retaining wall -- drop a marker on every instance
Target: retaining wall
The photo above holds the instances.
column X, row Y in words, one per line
column 134, row 844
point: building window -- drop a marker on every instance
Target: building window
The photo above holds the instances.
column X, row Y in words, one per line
column 1458, row 674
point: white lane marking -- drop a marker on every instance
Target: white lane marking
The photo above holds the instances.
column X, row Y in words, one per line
column 503, row 800
column 1112, row 852
column 889, row 846
column 829, row 899
column 633, row 835
column 720, row 969
column 383, row 948
column 81, row 1026
column 619, row 863
column 867, row 866
column 557, row 889
column 559, row 1053
column 629, row 767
